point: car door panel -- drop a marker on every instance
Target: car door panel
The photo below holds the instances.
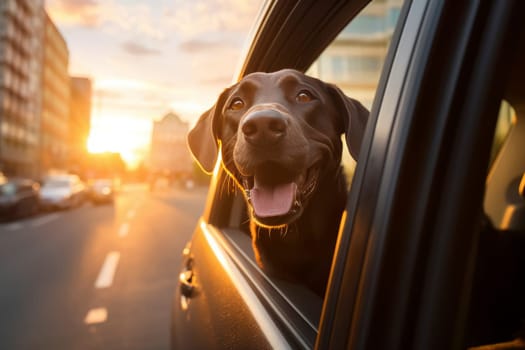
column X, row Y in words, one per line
column 412, row 286
column 220, row 300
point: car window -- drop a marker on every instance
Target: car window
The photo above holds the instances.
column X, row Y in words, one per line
column 354, row 60
column 8, row 189
column 506, row 120
column 57, row 183
column 503, row 202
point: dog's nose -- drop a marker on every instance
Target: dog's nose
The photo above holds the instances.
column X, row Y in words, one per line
column 263, row 127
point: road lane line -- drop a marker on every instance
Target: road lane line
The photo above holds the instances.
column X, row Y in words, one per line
column 124, row 230
column 106, row 274
column 44, row 220
column 98, row 315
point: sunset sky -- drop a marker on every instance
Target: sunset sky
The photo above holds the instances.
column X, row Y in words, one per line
column 149, row 57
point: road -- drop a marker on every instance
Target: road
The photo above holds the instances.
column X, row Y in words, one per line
column 96, row 277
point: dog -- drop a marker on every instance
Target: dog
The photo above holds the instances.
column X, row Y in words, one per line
column 279, row 135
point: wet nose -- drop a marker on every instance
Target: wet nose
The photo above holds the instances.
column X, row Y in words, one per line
column 264, row 127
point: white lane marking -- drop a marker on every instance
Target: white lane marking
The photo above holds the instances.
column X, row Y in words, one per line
column 44, row 220
column 98, row 315
column 131, row 214
column 106, row 274
column 14, row 226
column 123, row 230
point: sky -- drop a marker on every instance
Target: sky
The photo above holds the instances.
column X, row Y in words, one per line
column 150, row 57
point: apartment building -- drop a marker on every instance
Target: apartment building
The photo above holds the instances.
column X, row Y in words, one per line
column 169, row 154
column 79, row 122
column 21, row 23
column 56, row 90
column 354, row 60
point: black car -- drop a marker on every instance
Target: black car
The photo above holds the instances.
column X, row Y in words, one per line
column 431, row 250
column 18, row 198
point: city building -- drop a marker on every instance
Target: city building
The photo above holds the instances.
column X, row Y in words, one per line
column 355, row 58
column 54, row 124
column 21, row 50
column 79, row 123
column 169, row 155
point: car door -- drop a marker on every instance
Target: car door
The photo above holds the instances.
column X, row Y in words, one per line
column 408, row 255
column 419, row 265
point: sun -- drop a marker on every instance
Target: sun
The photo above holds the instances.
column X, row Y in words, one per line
column 100, row 142
column 118, row 137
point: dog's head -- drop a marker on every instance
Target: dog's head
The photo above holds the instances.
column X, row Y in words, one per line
column 280, row 135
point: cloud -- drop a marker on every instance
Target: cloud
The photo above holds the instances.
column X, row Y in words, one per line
column 136, row 49
column 113, row 15
column 192, row 18
column 203, row 45
column 219, row 79
column 157, row 20
column 82, row 12
column 77, row 5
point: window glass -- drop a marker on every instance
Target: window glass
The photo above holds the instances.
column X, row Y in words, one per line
column 7, row 189
column 506, row 119
column 354, row 60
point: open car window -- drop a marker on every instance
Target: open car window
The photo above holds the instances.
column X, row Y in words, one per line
column 354, row 62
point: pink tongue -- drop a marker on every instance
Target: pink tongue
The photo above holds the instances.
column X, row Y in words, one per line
column 272, row 201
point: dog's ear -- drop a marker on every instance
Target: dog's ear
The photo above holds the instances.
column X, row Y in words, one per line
column 355, row 116
column 203, row 138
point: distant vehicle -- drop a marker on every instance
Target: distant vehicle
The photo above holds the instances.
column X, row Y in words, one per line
column 62, row 192
column 101, row 190
column 18, row 198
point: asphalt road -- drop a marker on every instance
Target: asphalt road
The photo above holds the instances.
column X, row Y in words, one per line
column 96, row 277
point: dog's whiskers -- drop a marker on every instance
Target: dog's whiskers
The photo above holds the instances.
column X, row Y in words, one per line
column 284, row 231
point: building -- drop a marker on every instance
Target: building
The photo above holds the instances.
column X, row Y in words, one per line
column 354, row 60
column 169, row 155
column 54, row 124
column 21, row 50
column 79, row 123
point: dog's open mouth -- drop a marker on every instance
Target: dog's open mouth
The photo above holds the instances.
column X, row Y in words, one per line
column 277, row 195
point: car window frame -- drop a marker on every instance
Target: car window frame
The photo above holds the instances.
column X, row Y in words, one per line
column 274, row 45
column 356, row 318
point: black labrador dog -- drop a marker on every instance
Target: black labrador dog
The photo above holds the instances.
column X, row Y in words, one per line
column 279, row 135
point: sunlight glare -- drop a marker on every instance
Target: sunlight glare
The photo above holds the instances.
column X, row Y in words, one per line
column 119, row 135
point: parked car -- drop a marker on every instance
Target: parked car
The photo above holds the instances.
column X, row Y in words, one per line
column 19, row 198
column 101, row 190
column 62, row 191
column 431, row 251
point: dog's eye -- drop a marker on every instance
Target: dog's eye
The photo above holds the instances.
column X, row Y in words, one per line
column 236, row 104
column 304, row 96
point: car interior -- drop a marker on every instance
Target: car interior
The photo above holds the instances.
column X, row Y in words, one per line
column 497, row 309
column 497, row 301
